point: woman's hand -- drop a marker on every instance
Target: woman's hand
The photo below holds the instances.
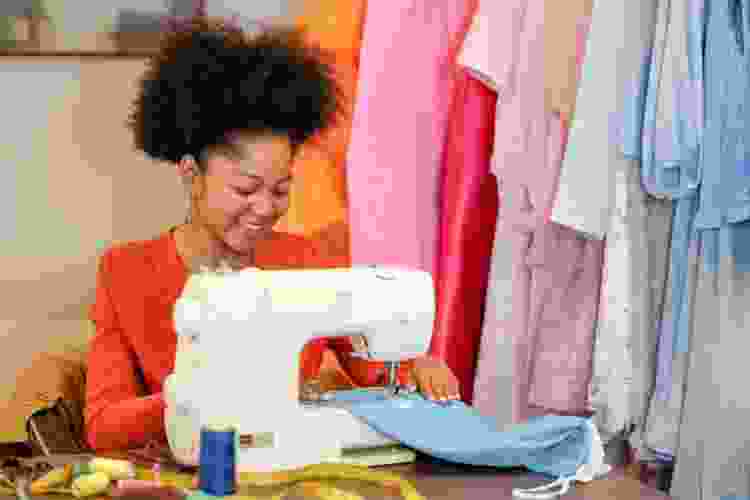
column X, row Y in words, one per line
column 435, row 379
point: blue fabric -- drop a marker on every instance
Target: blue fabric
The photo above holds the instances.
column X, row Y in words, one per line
column 725, row 152
column 552, row 445
column 672, row 167
column 736, row 18
column 669, row 156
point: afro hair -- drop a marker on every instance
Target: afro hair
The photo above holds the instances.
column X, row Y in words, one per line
column 210, row 79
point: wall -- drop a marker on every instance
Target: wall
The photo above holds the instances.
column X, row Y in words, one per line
column 72, row 185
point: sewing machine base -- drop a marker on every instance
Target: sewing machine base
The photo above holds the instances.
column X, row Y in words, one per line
column 375, row 457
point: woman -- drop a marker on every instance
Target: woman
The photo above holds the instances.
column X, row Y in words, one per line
column 231, row 113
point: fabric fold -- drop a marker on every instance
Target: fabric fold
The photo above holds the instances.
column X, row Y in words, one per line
column 468, row 215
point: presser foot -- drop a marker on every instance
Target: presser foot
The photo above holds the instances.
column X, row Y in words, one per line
column 323, row 397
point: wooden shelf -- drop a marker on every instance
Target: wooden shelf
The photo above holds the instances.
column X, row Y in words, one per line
column 142, row 54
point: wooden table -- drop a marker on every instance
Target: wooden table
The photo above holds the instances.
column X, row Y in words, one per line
column 441, row 481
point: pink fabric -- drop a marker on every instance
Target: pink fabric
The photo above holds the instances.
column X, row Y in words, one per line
column 467, row 228
column 555, row 299
column 545, row 277
column 566, row 273
column 403, row 99
column 492, row 45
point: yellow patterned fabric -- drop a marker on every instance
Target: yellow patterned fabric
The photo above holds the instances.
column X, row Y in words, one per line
column 315, row 480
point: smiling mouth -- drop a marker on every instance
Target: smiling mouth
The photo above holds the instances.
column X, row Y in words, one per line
column 256, row 227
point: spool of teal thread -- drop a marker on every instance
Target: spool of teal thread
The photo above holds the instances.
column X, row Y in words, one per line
column 218, row 460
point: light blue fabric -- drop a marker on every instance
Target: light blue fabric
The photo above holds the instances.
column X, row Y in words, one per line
column 672, row 167
column 673, row 331
column 725, row 155
column 552, row 445
column 669, row 156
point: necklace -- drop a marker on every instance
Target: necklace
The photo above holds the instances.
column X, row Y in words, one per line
column 199, row 252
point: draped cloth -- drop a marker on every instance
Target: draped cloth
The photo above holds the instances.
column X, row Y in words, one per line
column 318, row 207
column 535, row 351
column 468, row 214
column 711, row 447
column 402, row 104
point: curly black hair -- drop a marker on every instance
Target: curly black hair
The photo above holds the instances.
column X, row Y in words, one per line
column 210, row 79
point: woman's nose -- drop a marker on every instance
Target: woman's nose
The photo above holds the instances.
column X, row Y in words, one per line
column 263, row 205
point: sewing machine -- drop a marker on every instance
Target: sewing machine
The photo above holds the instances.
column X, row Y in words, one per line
column 239, row 339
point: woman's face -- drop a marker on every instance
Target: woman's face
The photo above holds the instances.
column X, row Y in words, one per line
column 245, row 190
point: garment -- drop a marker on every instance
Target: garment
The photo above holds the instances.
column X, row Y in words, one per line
column 632, row 306
column 725, row 189
column 713, row 464
column 660, row 434
column 672, row 114
column 521, row 369
column 672, row 167
column 398, row 129
column 134, row 347
column 662, row 129
column 638, row 226
column 670, row 151
column 712, row 452
column 617, row 28
column 492, row 51
column 468, row 214
column 566, row 271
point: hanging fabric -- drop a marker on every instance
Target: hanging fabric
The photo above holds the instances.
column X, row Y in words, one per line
column 713, row 464
column 490, row 54
column 468, row 213
column 725, row 189
column 617, row 208
column 660, row 130
column 318, row 196
column 711, row 456
column 519, row 372
column 736, row 16
column 403, row 99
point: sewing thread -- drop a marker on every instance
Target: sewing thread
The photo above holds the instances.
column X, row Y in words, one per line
column 90, row 485
column 217, row 460
column 115, row 469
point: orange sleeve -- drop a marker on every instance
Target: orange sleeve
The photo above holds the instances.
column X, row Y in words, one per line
column 117, row 414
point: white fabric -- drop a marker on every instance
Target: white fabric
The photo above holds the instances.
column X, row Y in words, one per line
column 600, row 194
column 632, row 288
column 620, row 33
column 491, row 51
column 592, row 469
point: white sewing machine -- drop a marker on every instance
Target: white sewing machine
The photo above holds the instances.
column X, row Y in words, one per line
column 239, row 339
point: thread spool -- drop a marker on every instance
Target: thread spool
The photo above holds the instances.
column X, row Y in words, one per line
column 90, row 485
column 115, row 469
column 217, row 460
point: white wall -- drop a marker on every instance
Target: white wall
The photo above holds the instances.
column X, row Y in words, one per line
column 71, row 186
